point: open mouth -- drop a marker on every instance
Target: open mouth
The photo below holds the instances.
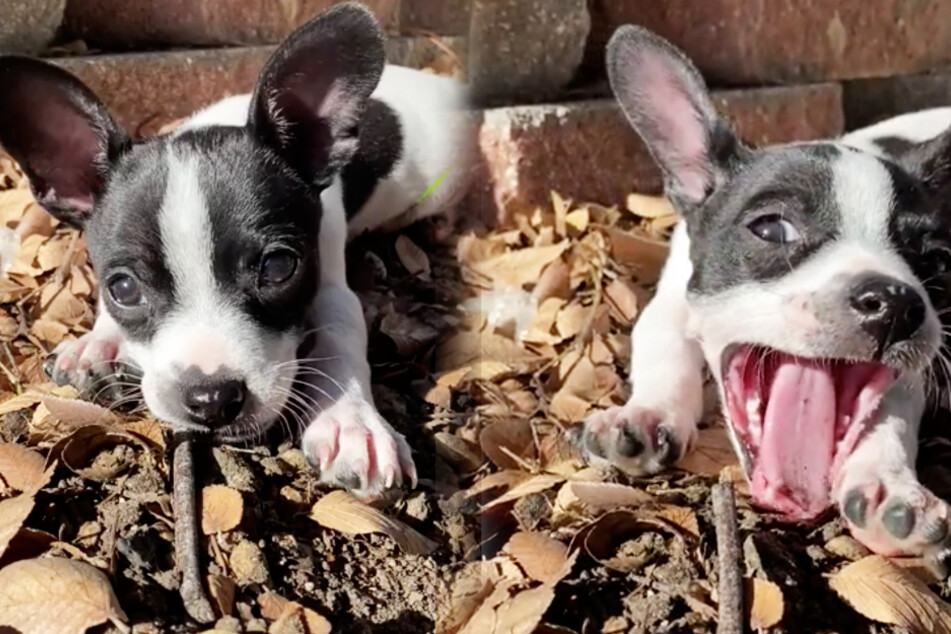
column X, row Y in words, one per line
column 798, row 419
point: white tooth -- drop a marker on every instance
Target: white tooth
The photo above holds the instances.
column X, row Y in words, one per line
column 752, row 417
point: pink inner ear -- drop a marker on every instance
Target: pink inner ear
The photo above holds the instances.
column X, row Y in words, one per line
column 680, row 134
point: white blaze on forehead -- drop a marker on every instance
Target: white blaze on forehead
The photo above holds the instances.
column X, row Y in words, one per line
column 202, row 319
column 864, row 195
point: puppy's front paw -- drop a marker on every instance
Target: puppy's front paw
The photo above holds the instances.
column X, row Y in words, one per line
column 354, row 448
column 90, row 364
column 895, row 514
column 637, row 440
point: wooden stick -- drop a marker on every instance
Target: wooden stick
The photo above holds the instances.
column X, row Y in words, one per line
column 187, row 538
column 730, row 590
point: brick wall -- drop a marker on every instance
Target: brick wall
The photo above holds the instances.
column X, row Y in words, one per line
column 781, row 70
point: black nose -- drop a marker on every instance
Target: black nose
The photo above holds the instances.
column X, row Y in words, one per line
column 889, row 310
column 215, row 402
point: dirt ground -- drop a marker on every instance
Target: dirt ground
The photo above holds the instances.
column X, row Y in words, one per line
column 485, row 347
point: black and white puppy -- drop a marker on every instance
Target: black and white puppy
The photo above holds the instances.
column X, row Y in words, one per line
column 220, row 247
column 809, row 278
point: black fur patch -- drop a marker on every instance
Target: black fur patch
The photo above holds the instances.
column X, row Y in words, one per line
column 381, row 147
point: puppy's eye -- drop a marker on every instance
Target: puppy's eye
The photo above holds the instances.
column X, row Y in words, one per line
column 125, row 291
column 938, row 262
column 774, row 228
column 278, row 267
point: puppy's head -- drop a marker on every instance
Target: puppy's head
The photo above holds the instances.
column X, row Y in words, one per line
column 204, row 241
column 815, row 271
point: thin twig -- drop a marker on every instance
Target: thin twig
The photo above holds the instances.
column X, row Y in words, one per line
column 186, row 531
column 728, row 550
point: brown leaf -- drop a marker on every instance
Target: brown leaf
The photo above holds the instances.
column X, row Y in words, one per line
column 297, row 619
column 49, row 331
column 340, row 511
column 56, row 595
column 682, row 517
column 555, row 281
column 622, row 298
column 96, row 453
column 222, row 590
column 883, row 592
column 646, row 255
column 650, row 207
column 515, row 435
column 221, row 509
column 272, row 605
column 468, row 348
column 76, row 413
column 21, row 468
column 541, row 557
column 13, row 512
column 521, row 266
column 457, row 451
column 501, row 479
column 576, row 497
column 413, row 259
column 534, row 484
column 711, row 454
column 767, row 605
column 578, row 220
column 523, row 612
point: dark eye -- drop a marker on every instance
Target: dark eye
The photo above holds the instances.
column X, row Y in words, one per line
column 278, row 267
column 774, row 228
column 125, row 291
column 938, row 262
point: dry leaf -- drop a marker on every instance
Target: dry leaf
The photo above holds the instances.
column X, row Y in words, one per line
column 272, row 605
column 578, row 220
column 413, row 259
column 680, row 516
column 76, row 413
column 61, row 596
column 594, row 497
column 457, row 451
column 646, row 255
column 338, row 510
column 519, row 267
column 13, row 512
column 222, row 590
column 883, row 592
column 514, row 435
column 296, row 619
column 555, row 281
column 534, row 484
column 505, row 478
column 767, row 605
column 221, row 509
column 541, row 557
column 523, row 613
column 650, row 207
column 21, row 468
column 622, row 298
column 711, row 454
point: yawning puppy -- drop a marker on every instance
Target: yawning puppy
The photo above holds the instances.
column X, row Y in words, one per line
column 220, row 248
column 808, row 277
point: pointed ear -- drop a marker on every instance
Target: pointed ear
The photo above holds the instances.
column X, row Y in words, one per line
column 61, row 135
column 314, row 89
column 666, row 101
column 930, row 162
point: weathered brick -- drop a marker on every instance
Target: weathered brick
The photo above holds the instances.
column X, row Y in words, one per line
column 587, row 151
column 142, row 23
column 27, row 26
column 525, row 48
column 147, row 90
column 741, row 42
column 443, row 17
column 868, row 101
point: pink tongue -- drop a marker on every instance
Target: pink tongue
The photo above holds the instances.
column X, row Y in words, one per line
column 798, row 444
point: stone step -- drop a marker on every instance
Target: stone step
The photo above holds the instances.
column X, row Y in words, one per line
column 738, row 42
column 868, row 101
column 113, row 24
column 587, row 151
column 147, row 90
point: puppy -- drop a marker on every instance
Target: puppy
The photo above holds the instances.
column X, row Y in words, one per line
column 220, row 248
column 808, row 278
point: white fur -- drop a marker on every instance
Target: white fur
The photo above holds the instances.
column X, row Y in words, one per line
column 914, row 126
column 435, row 136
